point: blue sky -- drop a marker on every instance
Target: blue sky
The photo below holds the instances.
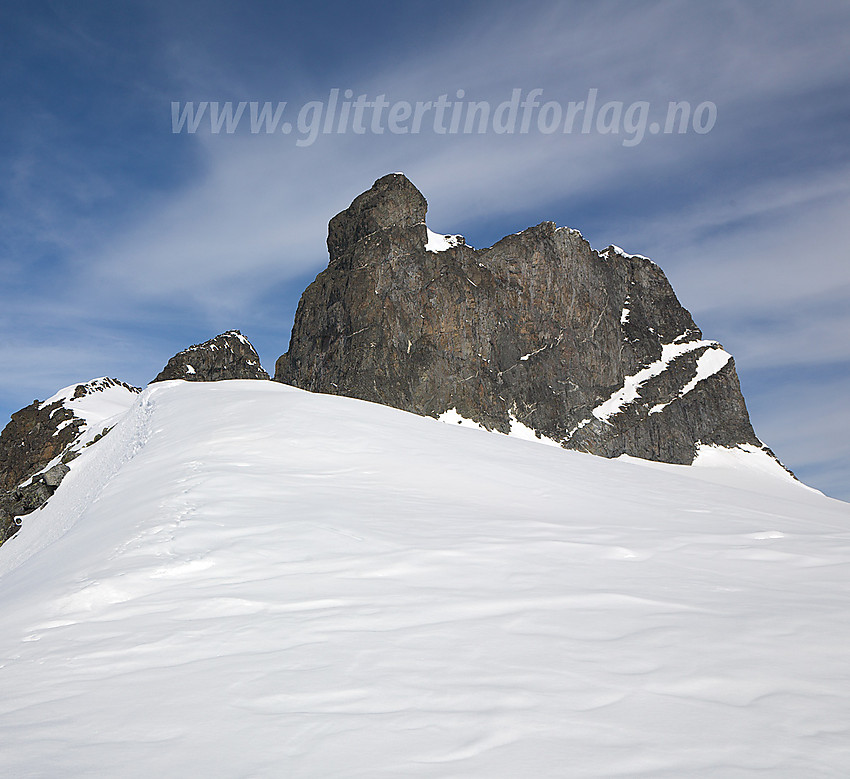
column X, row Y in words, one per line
column 122, row 242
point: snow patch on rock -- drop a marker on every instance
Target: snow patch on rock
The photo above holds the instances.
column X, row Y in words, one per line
column 440, row 243
column 630, row 391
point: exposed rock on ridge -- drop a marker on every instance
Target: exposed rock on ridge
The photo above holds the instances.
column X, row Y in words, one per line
column 227, row 356
column 590, row 349
column 42, row 438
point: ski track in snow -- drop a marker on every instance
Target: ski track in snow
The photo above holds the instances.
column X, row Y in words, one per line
column 243, row 579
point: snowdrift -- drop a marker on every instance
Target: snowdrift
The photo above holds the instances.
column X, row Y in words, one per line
column 244, row 579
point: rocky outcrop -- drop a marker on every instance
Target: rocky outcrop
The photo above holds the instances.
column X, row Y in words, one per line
column 39, row 441
column 590, row 349
column 42, row 438
column 227, row 356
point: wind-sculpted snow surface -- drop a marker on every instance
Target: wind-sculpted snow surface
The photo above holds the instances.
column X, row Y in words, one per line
column 246, row 579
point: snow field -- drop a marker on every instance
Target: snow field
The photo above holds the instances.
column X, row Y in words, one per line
column 244, row 579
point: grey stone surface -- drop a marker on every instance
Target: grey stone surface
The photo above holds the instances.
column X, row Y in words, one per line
column 532, row 329
column 34, row 436
column 227, row 356
column 52, row 477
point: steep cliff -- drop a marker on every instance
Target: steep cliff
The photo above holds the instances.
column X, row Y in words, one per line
column 589, row 349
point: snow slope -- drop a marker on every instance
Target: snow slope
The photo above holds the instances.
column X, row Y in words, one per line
column 96, row 403
column 248, row 580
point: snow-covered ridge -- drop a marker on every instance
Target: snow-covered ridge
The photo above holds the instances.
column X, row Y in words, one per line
column 97, row 404
column 74, row 395
column 244, row 579
column 89, row 472
column 96, row 401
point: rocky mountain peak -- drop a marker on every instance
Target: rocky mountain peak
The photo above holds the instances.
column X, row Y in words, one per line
column 392, row 203
column 229, row 355
column 591, row 350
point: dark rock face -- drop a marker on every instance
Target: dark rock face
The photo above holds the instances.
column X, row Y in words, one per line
column 227, row 356
column 36, row 436
column 591, row 349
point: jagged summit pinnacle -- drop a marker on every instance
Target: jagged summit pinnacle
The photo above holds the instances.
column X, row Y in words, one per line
column 589, row 349
column 229, row 355
column 392, row 202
